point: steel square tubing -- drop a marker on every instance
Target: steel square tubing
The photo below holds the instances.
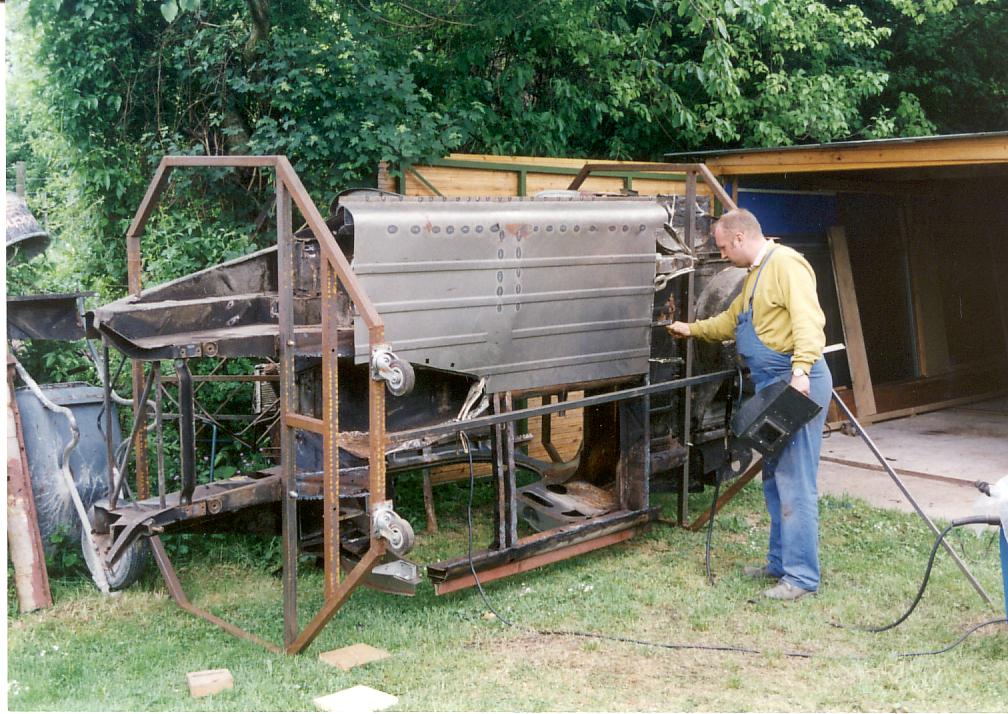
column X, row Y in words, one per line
column 453, row 427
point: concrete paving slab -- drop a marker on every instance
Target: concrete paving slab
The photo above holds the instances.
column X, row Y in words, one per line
column 938, row 499
column 966, row 443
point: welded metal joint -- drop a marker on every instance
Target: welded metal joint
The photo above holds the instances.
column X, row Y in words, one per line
column 396, row 373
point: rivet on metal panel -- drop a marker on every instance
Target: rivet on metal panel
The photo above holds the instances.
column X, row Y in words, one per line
column 495, row 228
column 577, row 229
column 535, row 228
column 393, row 229
column 563, row 227
column 612, row 229
column 450, row 229
column 517, row 306
column 479, row 229
column 500, row 291
column 518, row 252
column 436, row 229
column 500, row 253
column 642, row 228
column 465, row 229
column 500, row 276
column 500, row 308
column 549, row 229
column 415, row 230
column 518, row 289
column 625, row 228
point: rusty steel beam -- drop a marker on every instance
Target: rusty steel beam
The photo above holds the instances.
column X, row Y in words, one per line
column 711, row 180
column 178, row 595
column 333, row 603
column 304, row 423
column 31, row 580
column 288, row 405
column 541, row 543
column 171, row 378
column 536, row 561
column 366, row 308
column 687, row 429
column 748, row 475
column 330, row 433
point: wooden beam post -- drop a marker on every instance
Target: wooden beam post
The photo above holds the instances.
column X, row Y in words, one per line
column 857, row 355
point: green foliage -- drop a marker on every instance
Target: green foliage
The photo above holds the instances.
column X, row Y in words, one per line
column 63, row 557
column 946, row 60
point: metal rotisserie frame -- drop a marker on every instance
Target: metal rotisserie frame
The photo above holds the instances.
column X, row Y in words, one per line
column 305, row 330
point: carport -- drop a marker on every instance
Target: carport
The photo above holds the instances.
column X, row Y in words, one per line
column 907, row 237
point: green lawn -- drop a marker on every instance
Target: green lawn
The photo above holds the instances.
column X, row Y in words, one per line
column 132, row 652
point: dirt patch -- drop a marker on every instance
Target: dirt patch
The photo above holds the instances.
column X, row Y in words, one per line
column 575, row 671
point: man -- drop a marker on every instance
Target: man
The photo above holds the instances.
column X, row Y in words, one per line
column 777, row 325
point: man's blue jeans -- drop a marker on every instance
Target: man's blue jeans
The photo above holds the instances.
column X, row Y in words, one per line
column 789, row 487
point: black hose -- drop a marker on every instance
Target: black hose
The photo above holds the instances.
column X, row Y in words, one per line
column 710, row 532
column 958, row 642
column 686, row 646
column 927, row 573
column 469, row 519
column 729, row 405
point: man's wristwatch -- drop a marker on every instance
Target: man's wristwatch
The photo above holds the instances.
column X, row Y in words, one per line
column 798, row 372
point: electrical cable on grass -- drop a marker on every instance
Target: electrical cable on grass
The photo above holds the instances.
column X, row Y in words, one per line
column 970, row 631
column 920, row 591
column 710, row 532
column 576, row 633
column 716, row 648
column 730, row 404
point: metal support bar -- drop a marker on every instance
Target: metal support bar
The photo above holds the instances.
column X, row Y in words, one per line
column 159, row 426
column 137, row 424
column 332, row 604
column 739, row 483
column 913, row 502
column 683, row 506
column 288, row 405
column 472, row 425
column 107, row 407
column 178, row 595
column 187, row 432
column 330, row 436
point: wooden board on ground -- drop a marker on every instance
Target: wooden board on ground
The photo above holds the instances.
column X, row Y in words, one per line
column 209, row 681
column 356, row 699
column 346, row 658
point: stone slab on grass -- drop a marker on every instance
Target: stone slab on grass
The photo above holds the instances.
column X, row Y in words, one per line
column 356, row 699
column 347, row 658
column 209, row 681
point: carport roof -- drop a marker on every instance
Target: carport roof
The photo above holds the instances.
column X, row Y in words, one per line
column 954, row 150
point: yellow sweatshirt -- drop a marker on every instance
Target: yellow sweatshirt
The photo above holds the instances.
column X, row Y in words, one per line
column 786, row 313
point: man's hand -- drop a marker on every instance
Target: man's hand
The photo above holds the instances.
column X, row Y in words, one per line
column 679, row 329
column 801, row 383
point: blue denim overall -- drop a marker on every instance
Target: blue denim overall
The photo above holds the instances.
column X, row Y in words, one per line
column 789, row 478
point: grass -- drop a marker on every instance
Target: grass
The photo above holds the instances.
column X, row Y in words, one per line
column 132, row 652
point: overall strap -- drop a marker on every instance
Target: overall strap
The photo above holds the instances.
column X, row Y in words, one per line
column 758, row 274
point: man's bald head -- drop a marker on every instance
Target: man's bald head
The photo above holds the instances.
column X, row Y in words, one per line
column 739, row 237
column 739, row 220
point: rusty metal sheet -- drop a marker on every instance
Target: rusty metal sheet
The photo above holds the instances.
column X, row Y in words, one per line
column 524, row 292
